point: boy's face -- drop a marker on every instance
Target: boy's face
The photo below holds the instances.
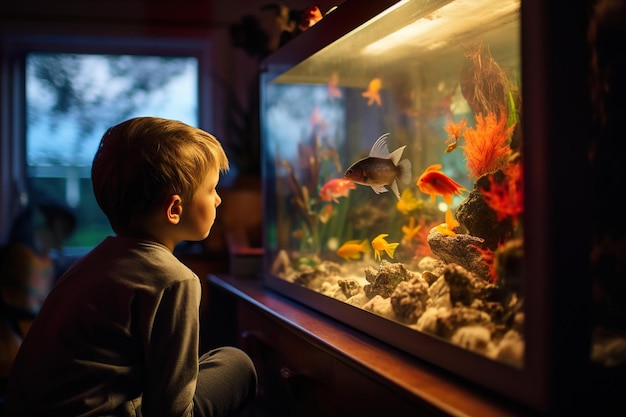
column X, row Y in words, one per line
column 199, row 214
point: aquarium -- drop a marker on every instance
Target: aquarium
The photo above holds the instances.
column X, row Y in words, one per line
column 395, row 184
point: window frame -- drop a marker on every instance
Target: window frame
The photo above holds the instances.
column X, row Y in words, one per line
column 14, row 49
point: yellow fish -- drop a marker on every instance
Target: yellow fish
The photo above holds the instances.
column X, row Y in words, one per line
column 410, row 231
column 408, row 202
column 352, row 249
column 380, row 245
column 373, row 92
column 448, row 227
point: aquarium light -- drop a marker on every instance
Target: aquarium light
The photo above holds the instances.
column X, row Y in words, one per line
column 449, row 21
column 386, row 12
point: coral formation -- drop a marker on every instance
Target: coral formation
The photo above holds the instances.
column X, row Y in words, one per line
column 486, row 147
column 506, row 197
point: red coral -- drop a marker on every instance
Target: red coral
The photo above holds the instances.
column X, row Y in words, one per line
column 488, row 258
column 422, row 248
column 487, row 147
column 506, row 198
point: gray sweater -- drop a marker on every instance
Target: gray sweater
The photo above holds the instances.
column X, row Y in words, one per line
column 119, row 328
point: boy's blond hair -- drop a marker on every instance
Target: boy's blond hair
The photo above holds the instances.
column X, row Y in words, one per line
column 142, row 161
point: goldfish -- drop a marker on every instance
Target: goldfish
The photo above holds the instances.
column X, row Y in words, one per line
column 352, row 249
column 435, row 182
column 373, row 92
column 335, row 188
column 381, row 168
column 380, row 245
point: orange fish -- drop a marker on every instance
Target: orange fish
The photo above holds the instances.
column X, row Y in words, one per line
column 435, row 182
column 310, row 17
column 298, row 234
column 333, row 86
column 454, row 131
column 352, row 249
column 380, row 245
column 326, row 213
column 373, row 92
column 381, row 168
column 335, row 188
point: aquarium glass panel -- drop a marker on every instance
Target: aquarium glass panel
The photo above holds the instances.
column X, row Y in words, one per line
column 394, row 172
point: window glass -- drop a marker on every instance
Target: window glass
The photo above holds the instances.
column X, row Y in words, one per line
column 71, row 99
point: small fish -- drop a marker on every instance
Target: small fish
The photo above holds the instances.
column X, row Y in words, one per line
column 408, row 202
column 310, row 17
column 435, row 182
column 373, row 92
column 333, row 86
column 298, row 234
column 451, row 146
column 380, row 245
column 454, row 131
column 353, row 248
column 317, row 122
column 335, row 188
column 449, row 226
column 409, row 232
column 381, row 168
column 326, row 213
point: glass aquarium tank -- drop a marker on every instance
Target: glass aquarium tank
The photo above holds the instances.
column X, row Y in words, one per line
column 396, row 178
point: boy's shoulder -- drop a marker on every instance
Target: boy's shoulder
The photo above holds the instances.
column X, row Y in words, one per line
column 126, row 261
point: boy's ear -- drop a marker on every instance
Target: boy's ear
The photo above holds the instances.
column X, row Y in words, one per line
column 174, row 208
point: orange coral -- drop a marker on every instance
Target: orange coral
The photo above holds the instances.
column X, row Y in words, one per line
column 506, row 198
column 486, row 147
column 455, row 129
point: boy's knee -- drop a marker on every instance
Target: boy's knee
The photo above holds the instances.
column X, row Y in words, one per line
column 234, row 361
column 237, row 386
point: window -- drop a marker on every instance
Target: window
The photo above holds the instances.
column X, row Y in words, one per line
column 71, row 99
column 66, row 93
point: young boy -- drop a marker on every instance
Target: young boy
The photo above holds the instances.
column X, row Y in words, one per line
column 118, row 335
